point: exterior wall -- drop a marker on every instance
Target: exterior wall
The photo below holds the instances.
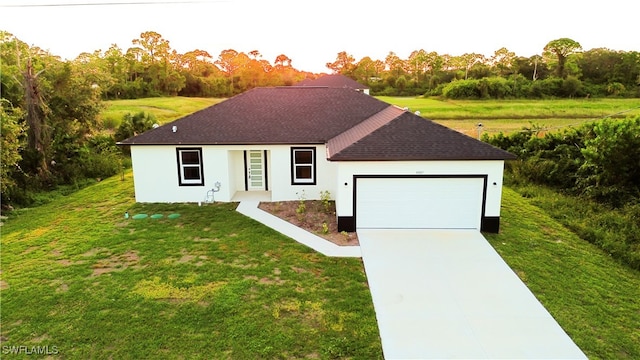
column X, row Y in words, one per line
column 281, row 187
column 347, row 169
column 155, row 170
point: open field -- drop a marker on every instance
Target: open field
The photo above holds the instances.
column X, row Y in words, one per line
column 517, row 109
column 462, row 115
column 512, row 115
column 212, row 283
column 165, row 109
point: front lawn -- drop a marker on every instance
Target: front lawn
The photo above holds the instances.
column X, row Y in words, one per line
column 81, row 279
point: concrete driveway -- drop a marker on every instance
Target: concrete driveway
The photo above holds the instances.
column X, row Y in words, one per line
column 447, row 294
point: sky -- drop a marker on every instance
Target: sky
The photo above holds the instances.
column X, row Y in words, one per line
column 313, row 32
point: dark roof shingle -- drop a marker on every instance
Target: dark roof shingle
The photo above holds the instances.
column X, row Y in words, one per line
column 411, row 137
column 282, row 115
column 355, row 127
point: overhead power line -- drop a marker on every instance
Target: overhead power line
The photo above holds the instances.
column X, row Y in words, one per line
column 110, row 3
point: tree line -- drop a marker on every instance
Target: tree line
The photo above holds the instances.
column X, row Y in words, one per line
column 150, row 67
column 562, row 69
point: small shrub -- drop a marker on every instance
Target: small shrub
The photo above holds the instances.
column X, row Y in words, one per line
column 132, row 125
column 325, row 228
column 302, row 206
column 111, row 123
column 325, row 197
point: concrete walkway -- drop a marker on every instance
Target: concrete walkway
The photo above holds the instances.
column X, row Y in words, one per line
column 447, row 294
column 250, row 208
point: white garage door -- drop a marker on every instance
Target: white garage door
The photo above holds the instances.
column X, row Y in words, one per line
column 419, row 203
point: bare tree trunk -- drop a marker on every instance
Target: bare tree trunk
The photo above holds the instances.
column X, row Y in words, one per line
column 35, row 117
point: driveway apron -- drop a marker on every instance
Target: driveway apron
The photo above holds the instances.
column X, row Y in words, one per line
column 447, row 294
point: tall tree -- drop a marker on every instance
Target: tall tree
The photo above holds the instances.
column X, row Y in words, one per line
column 395, row 65
column 282, row 60
column 344, row 64
column 418, row 64
column 366, row 69
column 158, row 59
column 116, row 65
column 36, row 111
column 503, row 61
column 561, row 49
column 283, row 71
column 467, row 61
column 255, row 71
column 155, row 48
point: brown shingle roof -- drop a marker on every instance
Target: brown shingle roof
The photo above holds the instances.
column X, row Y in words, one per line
column 333, row 80
column 355, row 127
column 410, row 137
column 365, row 128
column 282, row 115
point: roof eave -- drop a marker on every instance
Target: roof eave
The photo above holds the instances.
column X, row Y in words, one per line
column 346, row 159
column 223, row 143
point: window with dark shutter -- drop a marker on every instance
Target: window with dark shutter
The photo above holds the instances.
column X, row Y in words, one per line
column 303, row 166
column 190, row 166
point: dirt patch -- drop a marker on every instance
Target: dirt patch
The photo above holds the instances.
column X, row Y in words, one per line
column 116, row 263
column 30, row 250
column 271, row 281
column 41, row 338
column 95, row 251
column 199, row 239
column 186, row 258
column 315, row 216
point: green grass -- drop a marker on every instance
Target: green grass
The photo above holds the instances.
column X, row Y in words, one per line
column 516, row 109
column 165, row 109
column 210, row 284
column 512, row 115
column 595, row 299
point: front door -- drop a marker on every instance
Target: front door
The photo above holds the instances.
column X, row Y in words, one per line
column 256, row 172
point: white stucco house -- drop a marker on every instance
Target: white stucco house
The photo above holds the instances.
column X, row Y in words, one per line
column 384, row 166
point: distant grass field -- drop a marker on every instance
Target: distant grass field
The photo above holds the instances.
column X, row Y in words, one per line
column 512, row 115
column 213, row 284
column 165, row 109
column 462, row 115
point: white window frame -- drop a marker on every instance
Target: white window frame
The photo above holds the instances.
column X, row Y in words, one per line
column 181, row 166
column 294, row 166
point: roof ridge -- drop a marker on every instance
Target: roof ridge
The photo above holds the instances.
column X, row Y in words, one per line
column 363, row 129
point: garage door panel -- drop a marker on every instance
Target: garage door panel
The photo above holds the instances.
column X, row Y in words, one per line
column 419, row 203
